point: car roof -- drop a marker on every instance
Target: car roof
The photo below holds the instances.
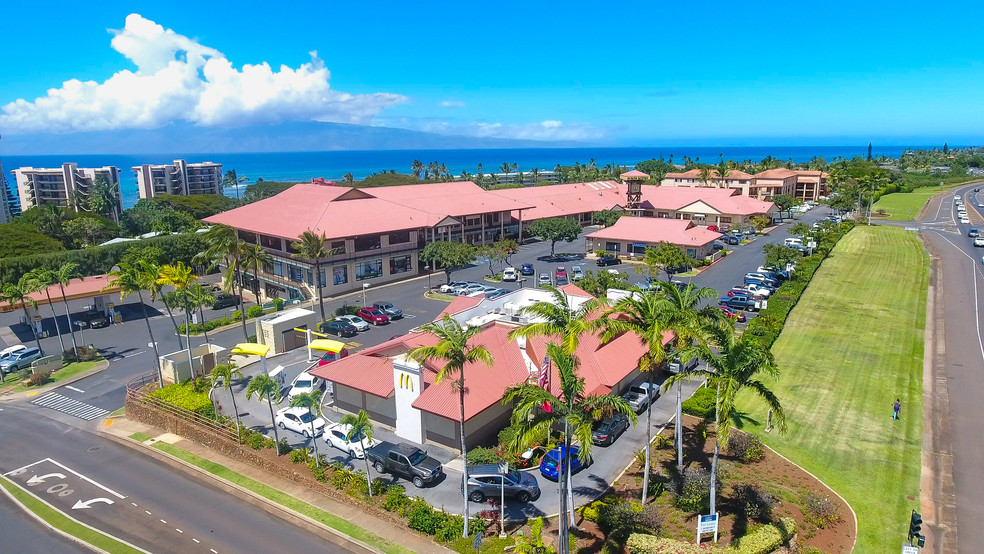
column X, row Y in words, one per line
column 296, row 410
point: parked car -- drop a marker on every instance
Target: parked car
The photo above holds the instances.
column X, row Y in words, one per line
column 577, row 273
column 469, row 289
column 608, row 260
column 19, row 359
column 354, row 321
column 761, row 277
column 604, row 433
column 677, row 365
column 374, row 316
column 305, row 383
column 406, row 461
column 737, row 316
column 485, row 481
column 731, row 239
column 641, row 395
column 740, row 302
column 495, row 293
column 973, row 233
column 389, row 309
column 560, row 276
column 223, row 301
column 712, row 227
column 543, row 279
column 449, row 287
column 527, row 269
column 717, row 245
column 979, row 241
column 552, row 459
column 339, row 328
column 299, row 420
column 6, row 352
column 509, row 274
column 336, row 434
column 96, row 319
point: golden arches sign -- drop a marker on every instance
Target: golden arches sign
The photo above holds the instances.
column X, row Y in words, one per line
column 406, row 381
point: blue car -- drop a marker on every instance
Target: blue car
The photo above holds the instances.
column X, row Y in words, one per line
column 527, row 269
column 551, row 460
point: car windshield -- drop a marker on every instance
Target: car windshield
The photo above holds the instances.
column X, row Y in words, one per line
column 418, row 457
column 307, row 417
column 303, row 383
column 356, row 438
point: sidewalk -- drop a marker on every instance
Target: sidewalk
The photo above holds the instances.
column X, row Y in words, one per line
column 122, row 428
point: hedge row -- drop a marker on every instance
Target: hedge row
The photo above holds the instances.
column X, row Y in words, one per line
column 188, row 396
column 199, row 328
column 763, row 541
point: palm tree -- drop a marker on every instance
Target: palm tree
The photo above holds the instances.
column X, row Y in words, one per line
column 686, row 318
column 641, row 314
column 64, row 275
column 264, row 387
column 360, row 426
column 735, row 366
column 129, row 280
column 20, row 293
column 199, row 298
column 705, row 176
column 314, row 247
column 171, row 301
column 535, row 175
column 505, row 167
column 252, row 256
column 311, row 401
column 453, row 349
column 40, row 279
column 180, row 277
column 577, row 412
column 416, row 167
column 228, row 372
column 559, row 317
column 224, row 245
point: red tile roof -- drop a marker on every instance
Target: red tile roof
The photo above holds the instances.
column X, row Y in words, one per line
column 460, row 304
column 634, row 173
column 575, row 290
column 777, row 173
column 86, row 287
column 652, row 230
column 372, row 374
column 724, row 200
column 459, row 198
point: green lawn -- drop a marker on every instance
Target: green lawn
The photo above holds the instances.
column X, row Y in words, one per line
column 63, row 523
column 284, row 499
column 852, row 345
column 905, row 206
column 70, row 370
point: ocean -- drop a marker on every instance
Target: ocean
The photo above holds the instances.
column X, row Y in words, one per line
column 303, row 166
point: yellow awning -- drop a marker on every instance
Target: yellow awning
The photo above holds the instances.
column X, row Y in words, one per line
column 251, row 349
column 327, row 344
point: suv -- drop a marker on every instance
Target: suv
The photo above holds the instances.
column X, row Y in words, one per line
column 20, row 359
column 374, row 316
column 577, row 273
column 509, row 274
column 389, row 309
column 742, row 302
column 608, row 260
column 973, row 233
column 677, row 365
column 527, row 269
column 225, row 301
column 406, row 461
column 485, row 481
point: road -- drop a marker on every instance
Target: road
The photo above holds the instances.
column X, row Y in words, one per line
column 956, row 403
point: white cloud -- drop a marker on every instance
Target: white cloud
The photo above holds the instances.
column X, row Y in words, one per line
column 452, row 104
column 179, row 79
column 545, row 130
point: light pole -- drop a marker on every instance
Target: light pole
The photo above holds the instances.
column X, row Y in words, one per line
column 503, row 471
column 364, row 287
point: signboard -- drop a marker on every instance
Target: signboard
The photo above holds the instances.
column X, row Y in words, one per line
column 707, row 524
column 907, row 549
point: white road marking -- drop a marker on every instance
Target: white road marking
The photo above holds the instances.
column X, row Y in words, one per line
column 164, row 522
column 134, row 354
column 70, row 406
column 70, row 387
column 214, row 551
column 148, row 513
column 134, row 504
column 70, row 470
column 977, row 312
column 179, row 530
column 197, row 541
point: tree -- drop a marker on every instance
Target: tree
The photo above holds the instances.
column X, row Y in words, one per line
column 558, row 317
column 785, row 202
column 571, row 407
column 656, row 169
column 19, row 292
column 946, row 149
column 415, row 168
column 869, row 152
column 733, row 364
column 136, row 279
column 686, row 318
column 598, row 282
column 254, row 255
column 454, row 350
column 641, row 314
column 800, row 229
column 262, row 386
column 311, row 401
column 360, row 426
column 450, row 255
column 496, row 253
column 779, row 255
column 664, row 257
column 555, row 229
column 63, row 276
column 224, row 245
column 704, row 175
column 199, row 299
column 40, row 279
column 180, row 277
column 606, row 217
column 228, row 372
column 171, row 301
column 314, row 247
column 84, row 231
column 760, row 222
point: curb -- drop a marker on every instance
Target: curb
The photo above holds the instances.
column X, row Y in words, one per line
column 255, row 499
column 69, row 381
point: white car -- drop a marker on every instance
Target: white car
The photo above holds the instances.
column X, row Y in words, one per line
column 305, row 383
column 6, row 352
column 577, row 273
column 468, row 290
column 480, row 292
column 510, row 274
column 359, row 324
column 757, row 290
column 964, row 220
column 335, row 435
column 299, row 420
column 979, row 241
column 449, row 287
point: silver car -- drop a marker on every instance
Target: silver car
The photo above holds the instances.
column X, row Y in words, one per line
column 485, row 481
column 20, row 359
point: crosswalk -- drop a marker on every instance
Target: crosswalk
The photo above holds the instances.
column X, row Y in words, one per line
column 69, row 406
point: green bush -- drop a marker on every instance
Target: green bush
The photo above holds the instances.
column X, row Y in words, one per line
column 253, row 439
column 649, row 544
column 701, row 404
column 396, row 499
column 618, row 520
column 278, row 303
column 693, row 490
column 591, row 511
column 254, row 311
column 346, row 310
column 753, row 500
column 767, row 538
column 199, row 328
column 299, row 456
column 422, row 517
column 820, row 511
column 340, row 478
column 450, row 528
column 37, row 379
column 745, row 447
column 237, row 315
column 481, row 456
column 83, row 354
column 184, row 395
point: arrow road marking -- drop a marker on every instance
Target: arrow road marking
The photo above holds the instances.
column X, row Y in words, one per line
column 20, row 470
column 70, row 387
column 80, row 505
column 35, row 480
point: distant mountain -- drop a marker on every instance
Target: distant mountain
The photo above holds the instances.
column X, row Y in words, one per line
column 291, row 136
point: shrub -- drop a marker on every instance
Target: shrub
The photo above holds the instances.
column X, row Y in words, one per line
column 24, row 373
column 254, row 311
column 820, row 511
column 278, row 303
column 346, row 310
column 395, row 499
column 450, row 528
column 753, row 500
column 237, row 315
column 767, row 538
column 379, row 486
column 480, row 456
column 36, row 379
column 254, row 439
column 601, row 253
column 621, row 519
column 317, row 472
column 299, row 456
column 421, row 517
column 184, row 395
column 693, row 490
column 649, row 544
column 492, row 516
column 83, row 354
column 746, row 447
column 701, row 404
column 590, row 511
column 340, row 478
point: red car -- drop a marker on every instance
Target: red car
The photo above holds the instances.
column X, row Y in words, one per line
column 737, row 316
column 374, row 316
column 712, row 227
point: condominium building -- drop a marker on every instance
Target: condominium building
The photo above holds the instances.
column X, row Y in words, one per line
column 68, row 186
column 804, row 185
column 6, row 210
column 528, row 178
column 179, row 178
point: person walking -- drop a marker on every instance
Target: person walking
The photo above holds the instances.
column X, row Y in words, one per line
column 896, row 408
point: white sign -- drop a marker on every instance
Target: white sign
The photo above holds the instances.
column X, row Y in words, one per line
column 906, row 549
column 707, row 524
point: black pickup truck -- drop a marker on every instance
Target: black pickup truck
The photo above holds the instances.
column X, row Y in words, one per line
column 405, row 461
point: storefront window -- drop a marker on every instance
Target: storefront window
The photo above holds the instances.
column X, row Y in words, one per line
column 401, row 264
column 613, row 246
column 340, row 275
column 368, row 270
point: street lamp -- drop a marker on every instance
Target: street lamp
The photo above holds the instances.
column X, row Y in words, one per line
column 364, row 287
column 503, row 471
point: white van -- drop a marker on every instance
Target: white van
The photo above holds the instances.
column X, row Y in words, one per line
column 793, row 241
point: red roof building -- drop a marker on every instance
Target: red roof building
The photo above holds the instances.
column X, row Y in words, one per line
column 632, row 235
column 804, row 185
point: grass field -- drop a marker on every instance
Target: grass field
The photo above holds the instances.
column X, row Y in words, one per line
column 70, row 370
column 905, row 206
column 852, row 345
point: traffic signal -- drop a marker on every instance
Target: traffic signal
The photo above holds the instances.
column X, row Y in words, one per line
column 915, row 526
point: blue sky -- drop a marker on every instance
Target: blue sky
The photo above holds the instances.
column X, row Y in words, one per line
column 609, row 73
